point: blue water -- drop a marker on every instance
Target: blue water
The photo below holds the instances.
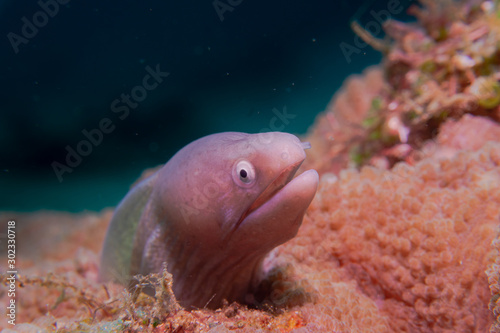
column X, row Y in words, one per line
column 67, row 64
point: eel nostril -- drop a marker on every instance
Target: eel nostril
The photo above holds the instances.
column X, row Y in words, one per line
column 305, row 145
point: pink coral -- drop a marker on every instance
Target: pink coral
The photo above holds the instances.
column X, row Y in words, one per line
column 339, row 128
column 467, row 133
column 415, row 239
column 493, row 273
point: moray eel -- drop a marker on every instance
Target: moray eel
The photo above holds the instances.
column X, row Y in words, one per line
column 212, row 213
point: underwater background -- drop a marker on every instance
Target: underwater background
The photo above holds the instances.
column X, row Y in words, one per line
column 403, row 232
column 68, row 67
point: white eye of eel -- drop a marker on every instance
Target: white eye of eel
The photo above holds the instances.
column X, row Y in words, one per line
column 244, row 173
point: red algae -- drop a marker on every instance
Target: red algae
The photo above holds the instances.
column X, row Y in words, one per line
column 436, row 70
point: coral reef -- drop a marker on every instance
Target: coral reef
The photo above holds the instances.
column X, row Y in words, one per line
column 397, row 250
column 467, row 133
column 57, row 288
column 493, row 273
column 415, row 239
column 338, row 132
column 442, row 67
column 56, row 254
column 403, row 235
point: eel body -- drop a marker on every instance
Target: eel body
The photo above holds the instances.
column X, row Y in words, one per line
column 211, row 213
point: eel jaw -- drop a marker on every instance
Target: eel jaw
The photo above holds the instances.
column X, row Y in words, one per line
column 274, row 187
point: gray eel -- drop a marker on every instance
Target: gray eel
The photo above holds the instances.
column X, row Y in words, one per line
column 212, row 213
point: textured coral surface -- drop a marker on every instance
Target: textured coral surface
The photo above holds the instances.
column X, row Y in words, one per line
column 416, row 239
column 493, row 273
column 404, row 250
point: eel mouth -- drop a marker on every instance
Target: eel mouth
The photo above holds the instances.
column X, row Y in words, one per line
column 274, row 187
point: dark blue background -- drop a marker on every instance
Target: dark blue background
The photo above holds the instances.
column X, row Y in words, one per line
column 224, row 76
